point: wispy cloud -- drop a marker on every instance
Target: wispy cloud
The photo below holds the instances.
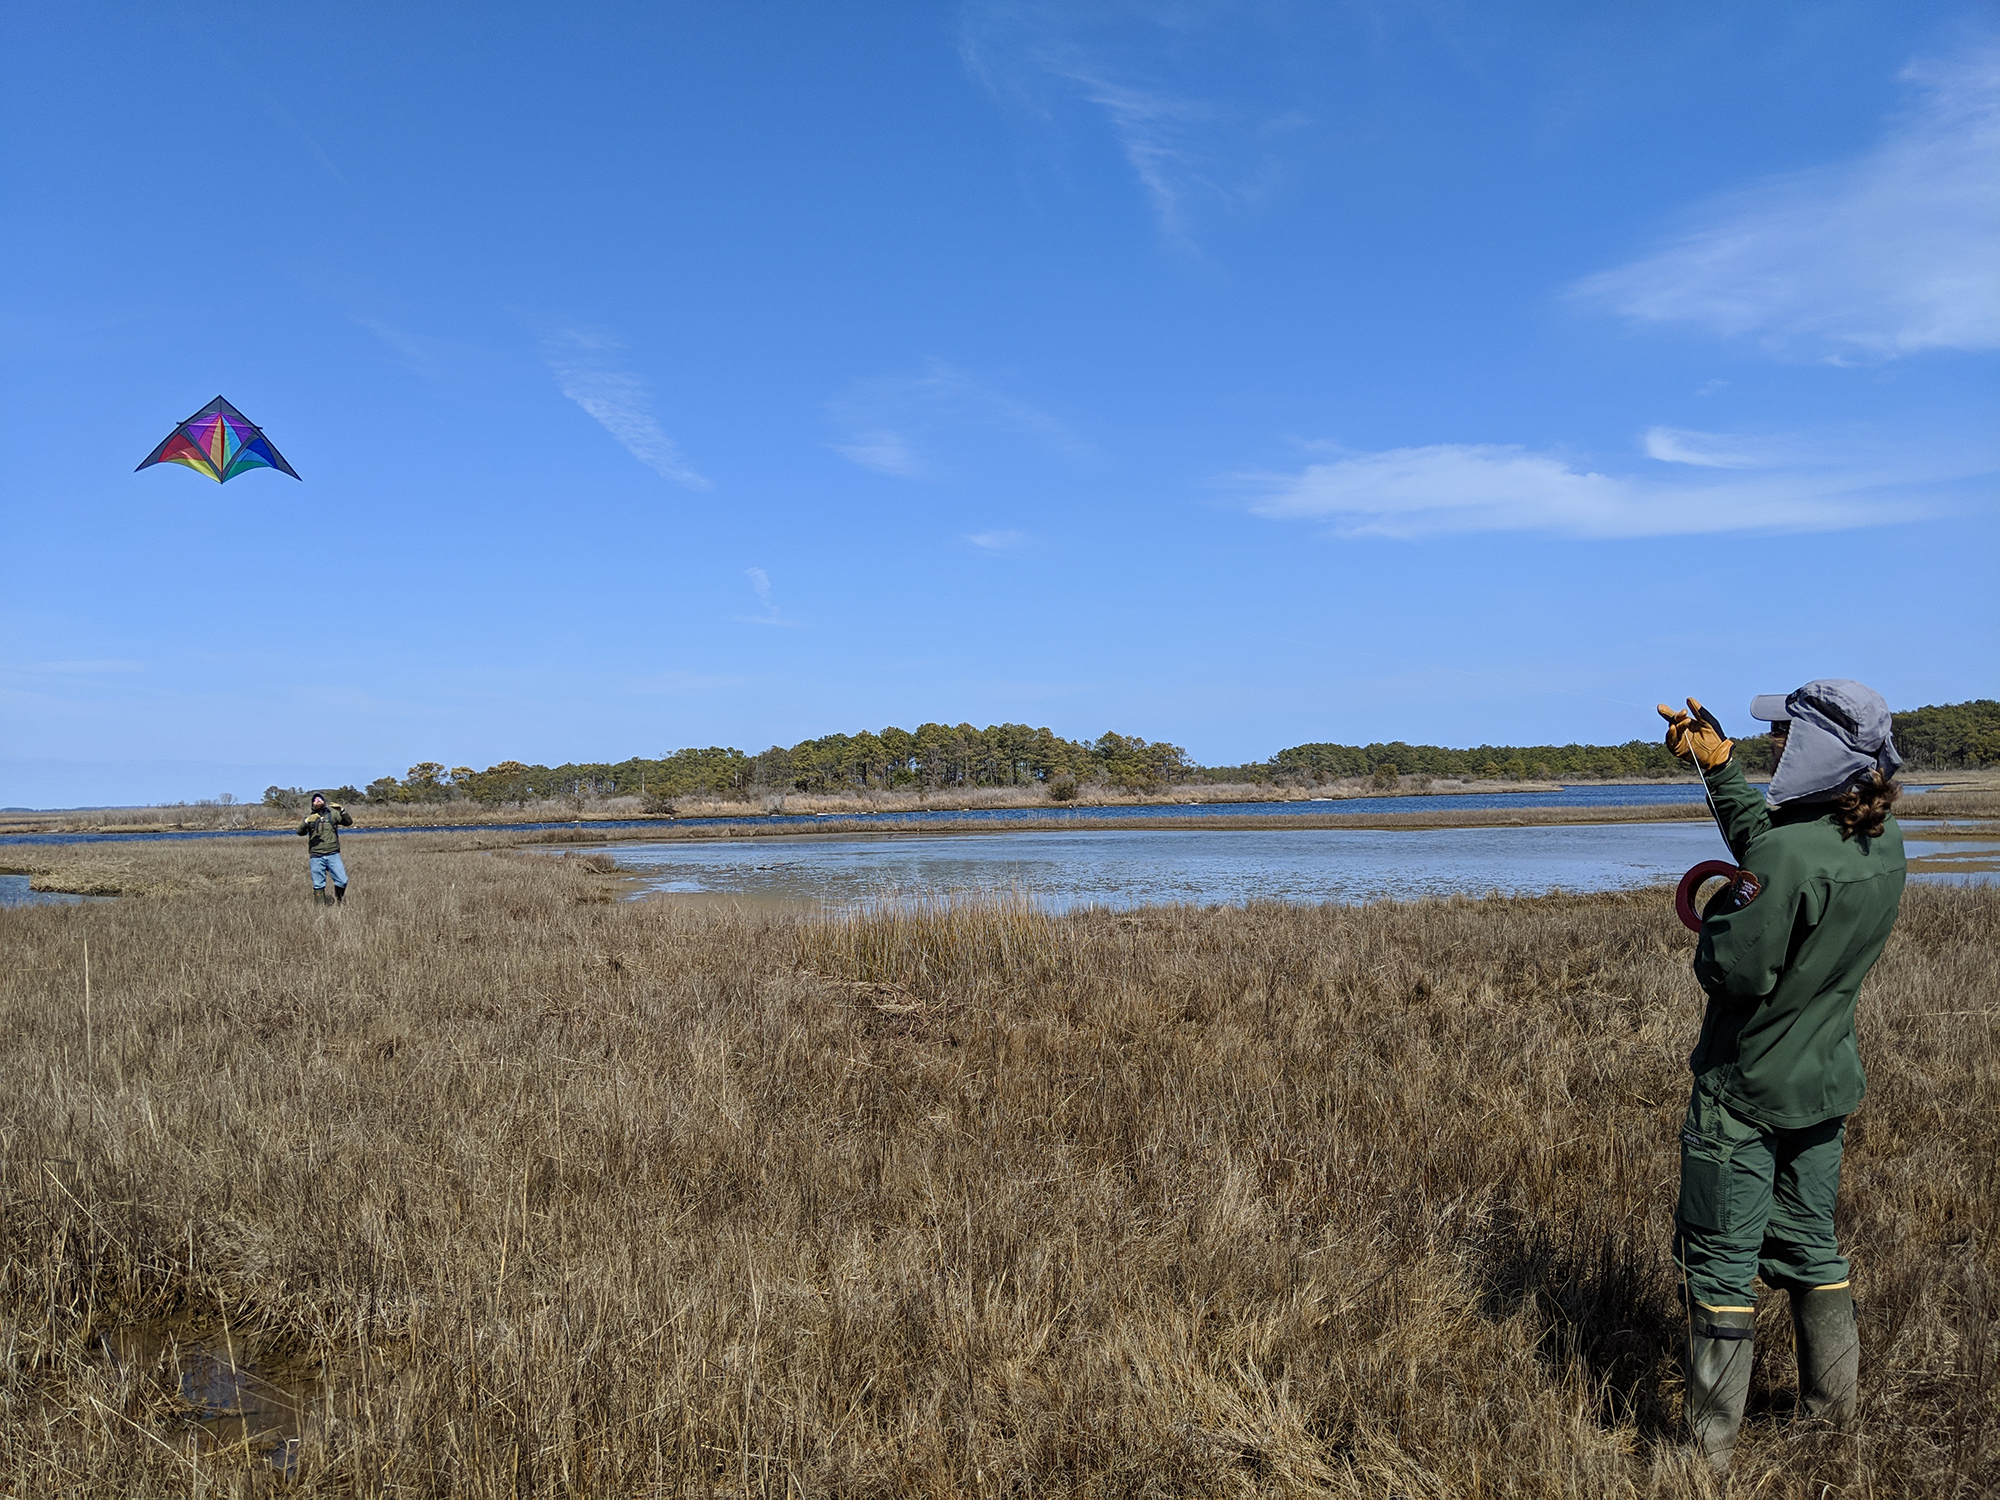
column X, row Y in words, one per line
column 1184, row 150
column 247, row 82
column 768, row 612
column 1156, row 132
column 583, row 366
column 1891, row 253
column 1710, row 450
column 998, row 541
column 895, row 419
column 420, row 354
column 886, row 453
column 1452, row 488
column 312, row 142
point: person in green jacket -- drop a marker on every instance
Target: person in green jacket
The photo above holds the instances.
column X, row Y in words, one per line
column 1781, row 956
column 321, row 830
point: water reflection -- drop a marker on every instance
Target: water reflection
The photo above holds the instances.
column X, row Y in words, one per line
column 14, row 891
column 1119, row 868
column 1955, row 861
column 224, row 1394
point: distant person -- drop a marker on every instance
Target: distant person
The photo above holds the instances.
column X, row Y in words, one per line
column 322, row 828
column 1781, row 955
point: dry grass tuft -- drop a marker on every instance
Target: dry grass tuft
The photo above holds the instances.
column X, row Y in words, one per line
column 205, row 867
column 555, row 1195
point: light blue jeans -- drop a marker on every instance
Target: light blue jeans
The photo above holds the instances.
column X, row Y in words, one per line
column 328, row 864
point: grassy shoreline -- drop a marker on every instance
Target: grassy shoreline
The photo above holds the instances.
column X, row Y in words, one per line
column 112, row 867
column 115, row 867
column 858, row 807
column 542, row 1193
column 1971, row 794
column 762, row 804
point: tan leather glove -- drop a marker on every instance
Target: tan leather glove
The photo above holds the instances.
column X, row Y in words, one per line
column 1695, row 732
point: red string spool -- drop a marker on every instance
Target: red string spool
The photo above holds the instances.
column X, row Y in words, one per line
column 1691, row 882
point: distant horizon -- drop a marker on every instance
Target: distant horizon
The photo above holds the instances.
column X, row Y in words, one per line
column 360, row 782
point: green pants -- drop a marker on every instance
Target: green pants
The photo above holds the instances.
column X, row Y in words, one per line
column 1755, row 1202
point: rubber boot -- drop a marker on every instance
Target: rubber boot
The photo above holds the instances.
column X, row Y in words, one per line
column 321, row 898
column 1717, row 1361
column 1829, row 1348
column 339, row 894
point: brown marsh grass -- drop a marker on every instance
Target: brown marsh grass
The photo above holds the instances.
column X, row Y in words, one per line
column 549, row 1194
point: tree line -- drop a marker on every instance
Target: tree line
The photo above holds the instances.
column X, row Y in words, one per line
column 947, row 757
column 1951, row 736
column 932, row 757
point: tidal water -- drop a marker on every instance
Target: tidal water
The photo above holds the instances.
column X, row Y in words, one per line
column 1140, row 867
column 14, row 892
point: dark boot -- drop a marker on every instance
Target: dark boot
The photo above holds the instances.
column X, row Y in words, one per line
column 1717, row 1362
column 339, row 894
column 1829, row 1348
column 321, row 898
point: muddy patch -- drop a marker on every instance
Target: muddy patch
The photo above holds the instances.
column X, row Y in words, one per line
column 220, row 1392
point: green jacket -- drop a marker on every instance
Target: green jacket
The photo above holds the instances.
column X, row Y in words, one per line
column 324, row 830
column 1782, row 969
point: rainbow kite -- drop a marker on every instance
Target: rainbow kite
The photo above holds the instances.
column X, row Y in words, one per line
column 221, row 442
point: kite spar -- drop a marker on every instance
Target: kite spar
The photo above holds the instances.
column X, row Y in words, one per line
column 221, row 442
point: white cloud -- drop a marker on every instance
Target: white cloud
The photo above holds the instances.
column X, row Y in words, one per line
column 997, row 541
column 620, row 401
column 1185, row 151
column 760, row 584
column 885, row 453
column 1710, row 450
column 424, row 355
column 1480, row 487
column 1890, row 253
column 889, row 417
column 1154, row 131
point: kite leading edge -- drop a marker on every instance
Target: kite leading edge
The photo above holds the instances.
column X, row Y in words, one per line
column 221, row 442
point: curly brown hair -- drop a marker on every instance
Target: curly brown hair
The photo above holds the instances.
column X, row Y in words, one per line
column 1864, row 806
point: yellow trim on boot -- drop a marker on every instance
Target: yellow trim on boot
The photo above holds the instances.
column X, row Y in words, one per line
column 1711, row 1307
column 1835, row 1286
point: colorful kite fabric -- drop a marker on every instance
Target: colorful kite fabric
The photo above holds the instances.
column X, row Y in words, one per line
column 221, row 442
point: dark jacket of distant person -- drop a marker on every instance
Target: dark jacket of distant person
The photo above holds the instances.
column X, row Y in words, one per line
column 323, row 829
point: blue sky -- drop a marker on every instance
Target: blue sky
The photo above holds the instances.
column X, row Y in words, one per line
column 1238, row 375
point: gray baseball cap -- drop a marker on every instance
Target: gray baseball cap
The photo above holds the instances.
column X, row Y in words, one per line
column 1839, row 731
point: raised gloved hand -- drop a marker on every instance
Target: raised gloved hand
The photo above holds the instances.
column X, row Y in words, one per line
column 1696, row 732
